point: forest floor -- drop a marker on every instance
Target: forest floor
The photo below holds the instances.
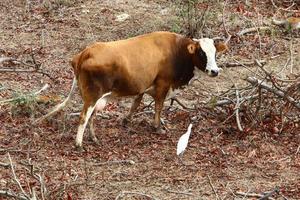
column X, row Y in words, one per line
column 134, row 162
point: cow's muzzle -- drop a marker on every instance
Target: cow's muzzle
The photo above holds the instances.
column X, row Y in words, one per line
column 213, row 72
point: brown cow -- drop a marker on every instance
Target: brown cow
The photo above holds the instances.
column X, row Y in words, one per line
column 153, row 63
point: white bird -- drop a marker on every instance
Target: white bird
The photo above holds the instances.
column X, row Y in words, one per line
column 183, row 141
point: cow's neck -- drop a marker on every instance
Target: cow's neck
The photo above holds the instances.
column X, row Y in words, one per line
column 183, row 65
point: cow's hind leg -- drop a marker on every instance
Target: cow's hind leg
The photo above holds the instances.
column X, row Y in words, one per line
column 133, row 108
column 87, row 111
column 92, row 135
column 88, row 108
column 99, row 107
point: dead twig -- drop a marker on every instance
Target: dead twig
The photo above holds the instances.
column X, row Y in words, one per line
column 201, row 22
column 251, row 195
column 181, row 104
column 4, row 59
column 46, row 86
column 291, row 56
column 124, row 193
column 5, row 193
column 38, row 177
column 269, row 88
column 284, row 66
column 212, row 187
column 246, row 63
column 273, row 3
column 268, row 195
column 15, row 177
column 231, row 101
column 237, row 108
column 5, row 165
column 298, row 150
column 179, row 192
column 264, row 196
column 39, row 71
column 253, row 29
column 36, row 67
column 224, row 25
column 112, row 162
column 269, row 75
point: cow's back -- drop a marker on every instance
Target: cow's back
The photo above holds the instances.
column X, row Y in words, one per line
column 132, row 64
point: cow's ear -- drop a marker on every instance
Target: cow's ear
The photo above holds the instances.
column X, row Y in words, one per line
column 221, row 46
column 192, row 48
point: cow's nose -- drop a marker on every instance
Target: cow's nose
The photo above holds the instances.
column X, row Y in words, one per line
column 214, row 73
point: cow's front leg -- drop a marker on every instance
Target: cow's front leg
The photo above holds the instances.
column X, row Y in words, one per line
column 159, row 98
column 133, row 108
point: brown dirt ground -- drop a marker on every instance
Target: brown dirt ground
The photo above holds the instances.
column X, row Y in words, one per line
column 254, row 162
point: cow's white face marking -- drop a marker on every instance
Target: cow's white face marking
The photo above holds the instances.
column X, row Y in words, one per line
column 207, row 45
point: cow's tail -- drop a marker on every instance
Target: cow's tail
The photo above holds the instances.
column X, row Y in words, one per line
column 59, row 106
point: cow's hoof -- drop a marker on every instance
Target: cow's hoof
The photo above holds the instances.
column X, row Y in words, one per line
column 158, row 130
column 95, row 140
column 161, row 131
column 79, row 148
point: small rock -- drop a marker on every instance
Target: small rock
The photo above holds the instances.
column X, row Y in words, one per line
column 122, row 17
column 164, row 11
column 194, row 118
column 85, row 11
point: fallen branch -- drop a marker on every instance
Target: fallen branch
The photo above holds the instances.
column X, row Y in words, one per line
column 179, row 192
column 28, row 95
column 224, row 25
column 200, row 24
column 229, row 101
column 253, row 195
column 273, row 3
column 26, row 71
column 267, row 195
column 4, row 59
column 39, row 178
column 237, row 108
column 5, row 193
column 15, row 177
column 253, row 29
column 131, row 162
column 5, row 165
column 269, row 88
column 123, row 193
column 181, row 104
column 36, row 67
column 246, row 63
column 213, row 188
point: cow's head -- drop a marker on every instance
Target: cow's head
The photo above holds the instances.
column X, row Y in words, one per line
column 204, row 55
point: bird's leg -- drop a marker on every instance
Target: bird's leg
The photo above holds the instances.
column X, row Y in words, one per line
column 181, row 161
